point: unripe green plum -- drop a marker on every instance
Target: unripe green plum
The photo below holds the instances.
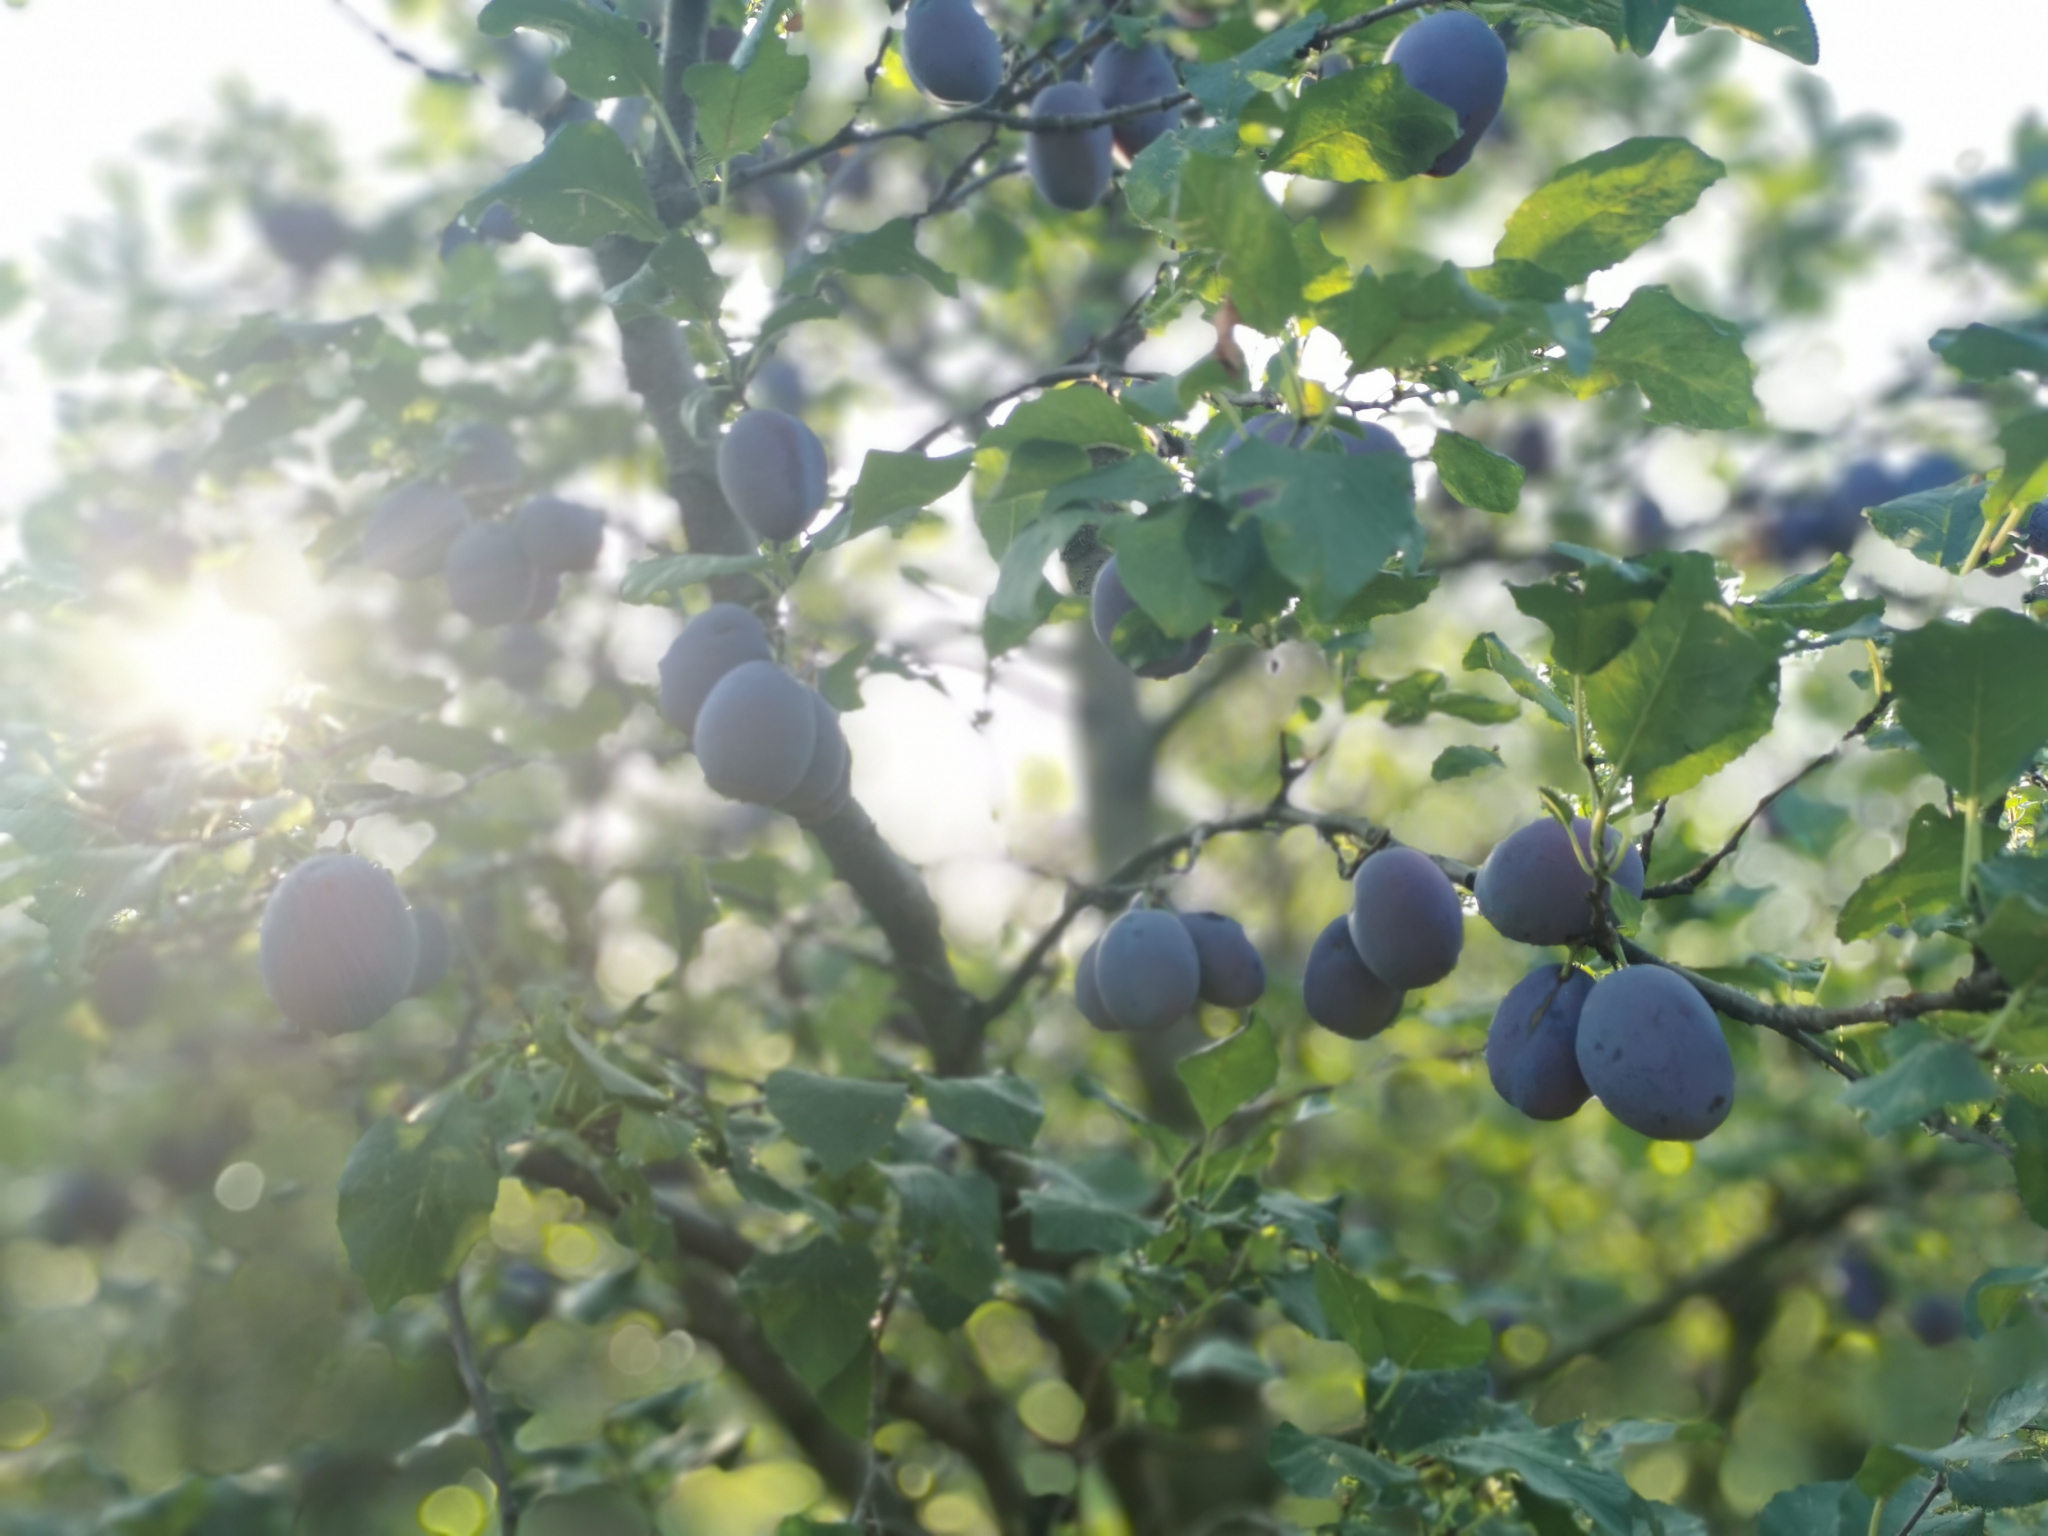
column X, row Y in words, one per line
column 756, row 733
column 1233, row 974
column 1340, row 991
column 126, row 979
column 1406, row 921
column 1147, row 970
column 722, row 637
column 951, row 52
column 490, row 579
column 409, row 533
column 1110, row 603
column 1533, row 888
column 1124, row 77
column 772, row 469
column 337, row 946
column 1457, row 59
column 559, row 535
column 436, row 950
column 1069, row 166
column 1653, row 1053
column 1532, row 1050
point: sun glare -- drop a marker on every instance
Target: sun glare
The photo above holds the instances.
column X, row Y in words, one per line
column 215, row 671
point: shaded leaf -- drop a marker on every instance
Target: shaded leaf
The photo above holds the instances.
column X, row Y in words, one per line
column 1475, row 474
column 1405, row 319
column 664, row 579
column 736, row 108
column 814, row 1303
column 1489, row 653
column 1929, row 1077
column 1925, row 880
column 1690, row 366
column 843, row 1120
column 894, row 485
column 1330, row 521
column 415, row 1197
column 1224, row 1077
column 1225, row 87
column 1317, row 1467
column 602, row 55
column 1002, row 1110
column 1966, row 696
column 1991, row 351
column 582, row 186
column 1463, row 762
column 889, row 251
column 1939, row 527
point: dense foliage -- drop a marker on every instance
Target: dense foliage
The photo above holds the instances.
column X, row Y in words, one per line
column 471, row 1063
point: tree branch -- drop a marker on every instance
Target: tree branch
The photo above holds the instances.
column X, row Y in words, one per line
column 480, row 1405
column 669, row 175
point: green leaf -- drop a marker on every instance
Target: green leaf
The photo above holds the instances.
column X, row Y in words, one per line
column 1406, row 319
column 1593, row 614
column 1330, row 520
column 1158, row 569
column 1413, row 699
column 1386, row 594
column 1021, row 596
column 1475, row 474
column 1967, row 698
column 1818, row 1509
column 735, row 108
column 1992, row 351
column 1003, row 1110
column 1223, row 206
column 814, row 1304
column 1679, row 701
column 415, row 1197
column 894, row 485
column 888, row 251
column 1785, row 25
column 602, row 55
column 1224, row 1077
column 1226, row 87
column 2013, row 1411
column 1812, row 600
column 1352, row 1308
column 1413, row 1409
column 1929, row 1077
column 1489, row 653
column 1083, row 415
column 1646, row 21
column 1317, row 1467
column 843, row 1120
column 663, row 580
column 1939, row 526
column 1423, row 1339
column 1885, row 1470
column 1552, row 1464
column 2014, row 934
column 1598, row 211
column 1063, row 1222
column 2024, row 479
column 1463, row 762
column 2027, row 1124
column 955, row 1219
column 1366, row 124
column 1690, row 366
column 1925, row 880
column 582, row 186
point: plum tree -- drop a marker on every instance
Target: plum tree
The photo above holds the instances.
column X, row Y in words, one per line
column 1233, row 973
column 1532, row 1048
column 1110, row 603
column 722, row 637
column 127, row 978
column 771, row 467
column 1406, row 921
column 1070, row 166
column 1457, row 59
column 1147, row 970
column 1123, row 76
column 819, row 792
column 337, row 946
column 436, row 949
column 1339, row 990
column 755, row 733
column 409, row 533
column 1654, row 1055
column 490, row 579
column 303, row 233
column 1534, row 890
column 559, row 535
column 951, row 52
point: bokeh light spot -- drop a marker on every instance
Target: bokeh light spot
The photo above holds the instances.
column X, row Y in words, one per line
column 22, row 1424
column 1671, row 1158
column 454, row 1511
column 239, row 1186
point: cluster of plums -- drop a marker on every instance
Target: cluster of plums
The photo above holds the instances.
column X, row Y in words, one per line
column 1151, row 966
column 1110, row 601
column 339, row 946
column 759, row 734
column 772, row 469
column 1830, row 520
column 498, row 570
column 1866, row 1290
column 1642, row 1040
column 955, row 57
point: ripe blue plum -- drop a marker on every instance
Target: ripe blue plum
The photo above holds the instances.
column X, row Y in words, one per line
column 720, row 43
column 1233, row 974
column 84, row 1206
column 1111, row 602
column 1653, row 1053
column 1457, row 59
column 1406, row 921
column 547, row 588
column 2033, row 529
column 1088, row 996
column 1534, row 890
column 952, row 54
column 1340, row 991
column 722, row 637
column 499, row 225
column 337, row 946
column 1069, row 166
column 772, row 470
column 523, row 657
column 559, row 535
column 1865, row 1286
column 490, row 579
column 1147, row 970
column 1532, row 1050
column 409, row 533
column 436, row 950
column 1531, row 448
column 483, row 461
column 1124, row 77
column 831, row 764
column 126, row 979
column 756, row 733
column 1929, row 472
column 303, row 234
column 1937, row 1320
column 780, row 384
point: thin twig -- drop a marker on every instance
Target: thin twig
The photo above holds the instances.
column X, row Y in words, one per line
column 406, row 56
column 1940, row 1486
column 480, row 1405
